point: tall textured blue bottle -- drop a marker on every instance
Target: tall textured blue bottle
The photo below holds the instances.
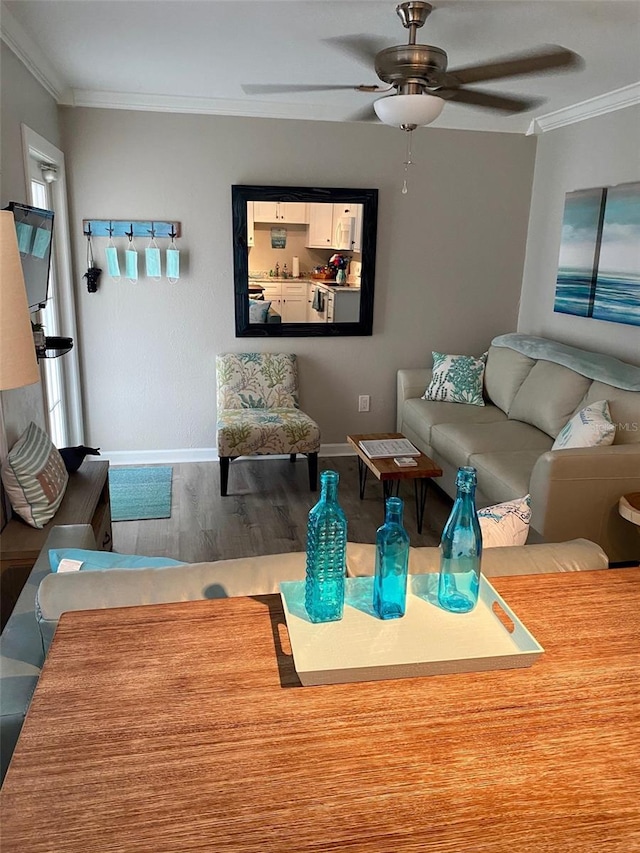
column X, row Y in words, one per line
column 326, row 554
column 461, row 549
column 392, row 563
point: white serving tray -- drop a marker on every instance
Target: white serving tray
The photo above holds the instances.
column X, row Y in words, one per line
column 427, row 640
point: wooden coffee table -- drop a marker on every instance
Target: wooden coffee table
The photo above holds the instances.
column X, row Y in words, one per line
column 391, row 475
column 183, row 728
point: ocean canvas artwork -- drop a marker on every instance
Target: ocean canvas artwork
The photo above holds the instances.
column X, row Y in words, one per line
column 599, row 263
column 617, row 296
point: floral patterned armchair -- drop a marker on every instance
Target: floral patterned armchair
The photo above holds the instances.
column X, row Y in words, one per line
column 258, row 411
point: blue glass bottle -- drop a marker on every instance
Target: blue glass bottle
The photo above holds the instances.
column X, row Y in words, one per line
column 461, row 549
column 392, row 563
column 326, row 554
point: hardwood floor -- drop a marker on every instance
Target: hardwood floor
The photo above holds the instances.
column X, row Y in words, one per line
column 265, row 511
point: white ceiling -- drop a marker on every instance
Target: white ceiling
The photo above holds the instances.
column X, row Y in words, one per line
column 193, row 55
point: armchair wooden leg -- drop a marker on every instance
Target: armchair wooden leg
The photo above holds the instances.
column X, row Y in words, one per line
column 312, row 461
column 224, row 475
column 292, row 457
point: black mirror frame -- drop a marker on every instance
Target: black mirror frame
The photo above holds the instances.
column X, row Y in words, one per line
column 240, row 195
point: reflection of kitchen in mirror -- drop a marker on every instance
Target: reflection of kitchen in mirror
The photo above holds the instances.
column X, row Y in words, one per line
column 304, row 261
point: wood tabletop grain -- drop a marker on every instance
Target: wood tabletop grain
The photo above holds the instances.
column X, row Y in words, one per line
column 183, row 727
column 386, row 469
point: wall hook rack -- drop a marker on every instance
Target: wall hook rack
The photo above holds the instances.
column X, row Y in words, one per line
column 139, row 227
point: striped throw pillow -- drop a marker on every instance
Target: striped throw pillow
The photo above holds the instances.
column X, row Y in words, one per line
column 34, row 477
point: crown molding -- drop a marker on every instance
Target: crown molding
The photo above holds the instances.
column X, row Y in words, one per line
column 202, row 106
column 619, row 99
column 31, row 55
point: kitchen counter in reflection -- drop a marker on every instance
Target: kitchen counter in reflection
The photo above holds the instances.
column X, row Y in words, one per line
column 329, row 284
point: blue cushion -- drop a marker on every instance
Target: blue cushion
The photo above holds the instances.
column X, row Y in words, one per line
column 258, row 311
column 99, row 560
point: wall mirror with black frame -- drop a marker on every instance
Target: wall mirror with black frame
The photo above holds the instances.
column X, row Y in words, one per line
column 304, row 260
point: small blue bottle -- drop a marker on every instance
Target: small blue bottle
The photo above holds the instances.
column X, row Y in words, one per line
column 392, row 563
column 461, row 549
column 326, row 554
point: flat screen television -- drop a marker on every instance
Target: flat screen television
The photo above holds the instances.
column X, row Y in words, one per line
column 34, row 230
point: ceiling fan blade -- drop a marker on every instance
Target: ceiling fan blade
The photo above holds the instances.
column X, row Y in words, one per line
column 550, row 58
column 362, row 48
column 365, row 114
column 479, row 98
column 276, row 88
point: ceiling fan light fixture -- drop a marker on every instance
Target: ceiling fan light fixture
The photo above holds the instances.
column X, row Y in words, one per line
column 408, row 111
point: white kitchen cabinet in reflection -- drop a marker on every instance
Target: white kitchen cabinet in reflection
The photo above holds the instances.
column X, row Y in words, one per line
column 292, row 212
column 288, row 298
column 335, row 226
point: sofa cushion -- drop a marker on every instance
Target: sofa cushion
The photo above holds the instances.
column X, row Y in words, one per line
column 99, row 560
column 505, row 524
column 590, row 427
column 35, row 477
column 573, row 556
column 458, row 442
column 419, row 416
column 456, row 379
column 549, row 396
column 505, row 372
column 505, row 475
column 624, row 407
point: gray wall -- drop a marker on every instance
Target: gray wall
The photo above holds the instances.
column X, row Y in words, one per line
column 24, row 100
column 449, row 271
column 599, row 152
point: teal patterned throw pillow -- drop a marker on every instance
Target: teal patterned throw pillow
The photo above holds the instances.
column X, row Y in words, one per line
column 258, row 311
column 456, row 379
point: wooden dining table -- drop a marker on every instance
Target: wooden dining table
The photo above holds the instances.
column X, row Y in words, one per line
column 183, row 727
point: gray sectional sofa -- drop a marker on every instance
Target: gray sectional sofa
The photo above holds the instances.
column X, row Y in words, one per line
column 532, row 387
column 25, row 640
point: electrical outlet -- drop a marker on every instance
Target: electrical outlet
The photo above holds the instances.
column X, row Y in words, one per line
column 363, row 403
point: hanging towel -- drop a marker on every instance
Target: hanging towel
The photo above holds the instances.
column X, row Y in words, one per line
column 318, row 300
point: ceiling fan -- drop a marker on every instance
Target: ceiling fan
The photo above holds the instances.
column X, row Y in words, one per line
column 422, row 82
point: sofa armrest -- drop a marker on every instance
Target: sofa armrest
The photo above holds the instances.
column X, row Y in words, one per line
column 575, row 493
column 94, row 590
column 411, row 382
column 21, row 651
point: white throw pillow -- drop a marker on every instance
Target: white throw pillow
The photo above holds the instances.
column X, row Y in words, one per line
column 456, row 379
column 590, row 427
column 506, row 523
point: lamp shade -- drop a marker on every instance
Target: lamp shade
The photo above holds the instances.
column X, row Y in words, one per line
column 18, row 364
column 408, row 111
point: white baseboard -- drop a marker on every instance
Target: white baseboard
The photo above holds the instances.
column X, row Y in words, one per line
column 197, row 454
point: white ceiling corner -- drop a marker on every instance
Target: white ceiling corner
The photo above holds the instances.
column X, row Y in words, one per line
column 31, row 55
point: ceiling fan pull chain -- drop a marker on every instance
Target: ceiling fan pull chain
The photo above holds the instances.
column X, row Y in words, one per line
column 408, row 162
